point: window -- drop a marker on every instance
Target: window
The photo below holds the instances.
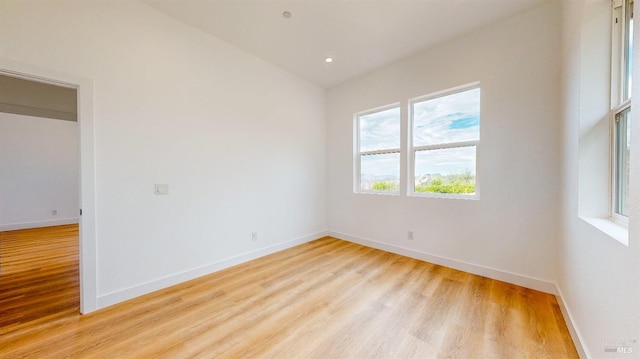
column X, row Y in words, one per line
column 621, row 162
column 445, row 137
column 621, row 70
column 378, row 150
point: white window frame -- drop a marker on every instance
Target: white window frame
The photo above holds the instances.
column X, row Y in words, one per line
column 620, row 99
column 358, row 154
column 414, row 149
column 620, row 218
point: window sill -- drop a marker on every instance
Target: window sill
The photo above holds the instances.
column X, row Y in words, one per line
column 445, row 196
column 611, row 228
column 381, row 193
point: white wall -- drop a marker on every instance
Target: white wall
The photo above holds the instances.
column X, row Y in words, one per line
column 243, row 148
column 599, row 277
column 38, row 172
column 241, row 143
column 511, row 232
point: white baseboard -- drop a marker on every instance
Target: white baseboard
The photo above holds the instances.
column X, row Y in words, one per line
column 573, row 330
column 161, row 283
column 505, row 276
column 38, row 224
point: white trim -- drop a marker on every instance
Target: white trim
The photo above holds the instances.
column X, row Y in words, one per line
column 173, row 279
column 621, row 107
column 383, row 193
column 378, row 109
column 577, row 338
column 411, row 153
column 617, row 55
column 88, row 220
column 380, row 152
column 88, row 241
column 470, row 196
column 493, row 273
column 614, row 230
column 38, row 224
column 405, row 154
column 613, row 140
column 444, row 146
column 36, row 78
column 442, row 93
column 357, row 185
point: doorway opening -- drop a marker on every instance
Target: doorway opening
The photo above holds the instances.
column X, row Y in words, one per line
column 70, row 220
column 39, row 192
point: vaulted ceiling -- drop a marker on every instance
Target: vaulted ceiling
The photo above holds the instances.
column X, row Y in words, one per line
column 360, row 35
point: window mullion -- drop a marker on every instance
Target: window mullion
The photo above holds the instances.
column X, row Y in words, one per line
column 446, row 145
column 380, row 152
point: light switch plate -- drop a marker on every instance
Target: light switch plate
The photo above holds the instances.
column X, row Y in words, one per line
column 162, row 189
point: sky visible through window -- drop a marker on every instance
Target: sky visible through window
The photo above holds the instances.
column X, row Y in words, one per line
column 445, row 120
column 380, row 131
column 445, row 162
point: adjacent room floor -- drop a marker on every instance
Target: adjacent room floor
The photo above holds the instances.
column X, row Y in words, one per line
column 324, row 299
column 39, row 276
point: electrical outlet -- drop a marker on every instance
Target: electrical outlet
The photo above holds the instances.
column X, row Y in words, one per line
column 254, row 236
column 410, row 235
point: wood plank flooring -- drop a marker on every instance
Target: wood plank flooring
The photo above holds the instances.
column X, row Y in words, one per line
column 323, row 299
column 39, row 276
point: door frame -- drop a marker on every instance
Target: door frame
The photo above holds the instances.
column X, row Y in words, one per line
column 87, row 221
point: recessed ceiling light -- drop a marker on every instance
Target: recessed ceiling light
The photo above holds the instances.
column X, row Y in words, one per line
column 328, row 60
column 286, row 15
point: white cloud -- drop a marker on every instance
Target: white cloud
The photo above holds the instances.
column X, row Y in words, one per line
column 448, row 119
column 380, row 130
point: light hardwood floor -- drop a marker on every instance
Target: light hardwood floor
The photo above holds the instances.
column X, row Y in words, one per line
column 323, row 299
column 38, row 275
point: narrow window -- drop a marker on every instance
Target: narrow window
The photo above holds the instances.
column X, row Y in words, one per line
column 378, row 151
column 621, row 71
column 445, row 138
column 621, row 162
column 627, row 56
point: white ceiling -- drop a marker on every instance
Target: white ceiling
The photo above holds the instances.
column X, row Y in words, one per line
column 361, row 35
